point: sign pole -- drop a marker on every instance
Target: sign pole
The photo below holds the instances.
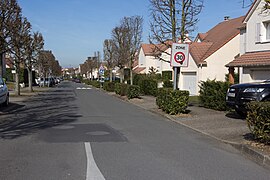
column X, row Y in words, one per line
column 175, row 78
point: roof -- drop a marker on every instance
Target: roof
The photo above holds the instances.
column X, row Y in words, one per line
column 137, row 70
column 152, row 49
column 251, row 10
column 215, row 38
column 250, row 59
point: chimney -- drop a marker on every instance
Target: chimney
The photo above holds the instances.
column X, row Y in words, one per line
column 226, row 18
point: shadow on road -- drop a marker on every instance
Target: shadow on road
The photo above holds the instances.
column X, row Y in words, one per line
column 42, row 111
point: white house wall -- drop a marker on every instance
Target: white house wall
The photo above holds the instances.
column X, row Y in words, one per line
column 142, row 59
column 257, row 17
column 216, row 62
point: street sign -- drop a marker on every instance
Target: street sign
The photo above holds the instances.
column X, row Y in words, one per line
column 179, row 55
column 101, row 70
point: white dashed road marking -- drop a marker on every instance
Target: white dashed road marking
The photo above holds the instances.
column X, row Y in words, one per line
column 83, row 88
column 93, row 173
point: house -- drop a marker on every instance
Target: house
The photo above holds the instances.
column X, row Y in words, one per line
column 254, row 60
column 149, row 58
column 209, row 53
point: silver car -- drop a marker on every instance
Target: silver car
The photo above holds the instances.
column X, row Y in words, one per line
column 4, row 94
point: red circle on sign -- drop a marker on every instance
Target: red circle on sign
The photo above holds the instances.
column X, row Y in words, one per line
column 179, row 57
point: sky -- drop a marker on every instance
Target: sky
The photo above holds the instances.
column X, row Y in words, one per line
column 75, row 29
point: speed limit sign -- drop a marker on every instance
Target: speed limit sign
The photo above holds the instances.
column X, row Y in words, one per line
column 179, row 55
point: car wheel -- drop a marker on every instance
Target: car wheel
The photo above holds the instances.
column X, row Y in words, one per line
column 6, row 103
column 241, row 113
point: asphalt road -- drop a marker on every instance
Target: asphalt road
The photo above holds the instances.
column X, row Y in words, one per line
column 76, row 132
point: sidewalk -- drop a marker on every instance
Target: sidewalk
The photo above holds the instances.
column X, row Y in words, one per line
column 223, row 126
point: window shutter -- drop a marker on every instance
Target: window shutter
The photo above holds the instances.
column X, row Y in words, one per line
column 258, row 32
column 268, row 31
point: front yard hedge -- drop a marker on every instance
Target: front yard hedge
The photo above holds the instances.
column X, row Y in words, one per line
column 213, row 94
column 258, row 119
column 133, row 91
column 172, row 101
column 148, row 86
column 109, row 86
column 121, row 89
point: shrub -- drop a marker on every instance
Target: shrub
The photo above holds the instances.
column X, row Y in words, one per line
column 137, row 78
column 167, row 84
column 133, row 91
column 258, row 120
column 213, row 94
column 172, row 101
column 109, row 86
column 148, row 86
column 95, row 84
column 117, row 88
column 121, row 88
column 167, row 75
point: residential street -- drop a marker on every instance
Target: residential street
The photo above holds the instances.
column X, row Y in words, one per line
column 77, row 132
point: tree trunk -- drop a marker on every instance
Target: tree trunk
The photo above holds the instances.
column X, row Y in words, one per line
column 131, row 77
column 17, row 82
column 1, row 65
column 30, row 79
column 121, row 75
column 111, row 75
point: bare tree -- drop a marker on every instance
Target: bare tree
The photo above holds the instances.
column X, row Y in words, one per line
column 33, row 47
column 172, row 19
column 18, row 38
column 134, row 28
column 120, row 43
column 9, row 13
column 126, row 40
column 108, row 49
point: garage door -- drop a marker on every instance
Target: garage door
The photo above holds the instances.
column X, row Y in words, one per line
column 260, row 75
column 190, row 82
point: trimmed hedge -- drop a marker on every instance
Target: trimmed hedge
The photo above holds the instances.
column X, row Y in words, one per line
column 167, row 84
column 121, row 89
column 258, row 119
column 109, row 86
column 117, row 88
column 167, row 75
column 172, row 101
column 213, row 94
column 133, row 91
column 148, row 86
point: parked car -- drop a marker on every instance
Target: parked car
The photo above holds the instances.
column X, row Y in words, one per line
column 4, row 94
column 239, row 95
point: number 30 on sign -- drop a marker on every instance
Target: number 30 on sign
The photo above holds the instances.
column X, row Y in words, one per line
column 179, row 55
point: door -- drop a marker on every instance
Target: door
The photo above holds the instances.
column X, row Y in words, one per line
column 190, row 82
column 261, row 75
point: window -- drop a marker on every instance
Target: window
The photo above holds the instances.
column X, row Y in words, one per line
column 267, row 30
column 258, row 32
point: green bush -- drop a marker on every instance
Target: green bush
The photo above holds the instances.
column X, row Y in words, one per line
column 148, row 86
column 172, row 101
column 167, row 84
column 121, row 89
column 109, row 86
column 95, row 83
column 133, row 91
column 117, row 88
column 167, row 75
column 137, row 78
column 258, row 120
column 213, row 94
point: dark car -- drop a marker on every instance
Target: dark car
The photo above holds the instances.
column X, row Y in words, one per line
column 239, row 95
column 4, row 94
